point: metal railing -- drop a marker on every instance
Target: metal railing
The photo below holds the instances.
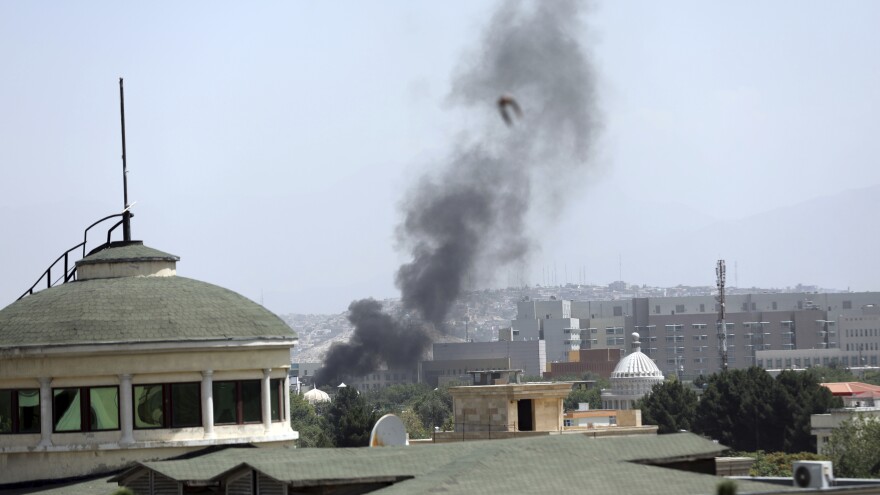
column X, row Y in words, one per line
column 69, row 273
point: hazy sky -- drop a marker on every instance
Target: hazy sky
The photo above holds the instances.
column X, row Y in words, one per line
column 270, row 143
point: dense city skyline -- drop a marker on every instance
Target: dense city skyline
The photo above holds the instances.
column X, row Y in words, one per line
column 270, row 146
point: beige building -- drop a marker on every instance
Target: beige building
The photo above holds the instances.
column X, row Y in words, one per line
column 584, row 417
column 501, row 407
column 859, row 399
column 129, row 362
column 515, row 407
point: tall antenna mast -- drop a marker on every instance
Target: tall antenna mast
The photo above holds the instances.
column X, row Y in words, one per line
column 721, row 275
column 126, row 213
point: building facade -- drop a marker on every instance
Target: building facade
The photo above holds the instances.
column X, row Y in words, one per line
column 131, row 362
column 680, row 334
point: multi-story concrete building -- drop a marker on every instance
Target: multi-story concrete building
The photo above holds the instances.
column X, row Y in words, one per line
column 383, row 378
column 600, row 362
column 437, row 373
column 797, row 358
column 680, row 334
column 549, row 321
column 859, row 336
column 529, row 356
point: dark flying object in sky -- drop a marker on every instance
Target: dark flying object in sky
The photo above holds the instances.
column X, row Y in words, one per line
column 505, row 102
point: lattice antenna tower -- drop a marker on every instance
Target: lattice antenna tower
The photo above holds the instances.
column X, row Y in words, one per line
column 721, row 275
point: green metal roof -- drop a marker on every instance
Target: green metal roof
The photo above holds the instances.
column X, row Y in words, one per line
column 551, row 464
column 136, row 309
column 130, row 251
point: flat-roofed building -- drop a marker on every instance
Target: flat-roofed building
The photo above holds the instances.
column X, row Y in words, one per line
column 529, row 356
column 600, row 362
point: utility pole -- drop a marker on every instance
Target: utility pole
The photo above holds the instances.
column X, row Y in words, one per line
column 720, row 274
column 126, row 212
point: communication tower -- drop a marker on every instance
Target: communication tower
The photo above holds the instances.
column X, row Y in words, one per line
column 720, row 273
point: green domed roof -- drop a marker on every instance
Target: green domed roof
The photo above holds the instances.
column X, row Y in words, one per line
column 121, row 252
column 136, row 309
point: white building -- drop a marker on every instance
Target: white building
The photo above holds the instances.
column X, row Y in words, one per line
column 633, row 378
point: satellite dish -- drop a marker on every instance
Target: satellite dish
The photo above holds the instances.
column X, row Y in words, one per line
column 389, row 432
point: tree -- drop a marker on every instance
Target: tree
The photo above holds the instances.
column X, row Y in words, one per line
column 313, row 428
column 395, row 398
column 748, row 410
column 592, row 396
column 433, row 407
column 351, row 419
column 777, row 464
column 413, row 424
column 872, row 377
column 798, row 394
column 671, row 406
column 737, row 409
column 833, row 373
column 853, row 448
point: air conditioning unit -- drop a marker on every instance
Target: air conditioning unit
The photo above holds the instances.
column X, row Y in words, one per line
column 813, row 474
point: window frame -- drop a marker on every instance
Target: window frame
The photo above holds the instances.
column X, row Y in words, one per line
column 239, row 404
column 85, row 410
column 279, row 389
column 15, row 426
column 167, row 406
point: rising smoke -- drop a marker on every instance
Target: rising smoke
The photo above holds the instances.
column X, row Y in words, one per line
column 470, row 219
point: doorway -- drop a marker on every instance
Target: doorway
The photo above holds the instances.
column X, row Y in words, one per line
column 525, row 418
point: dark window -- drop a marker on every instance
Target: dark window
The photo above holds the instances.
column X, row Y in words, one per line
column 679, row 308
column 754, row 306
column 774, row 304
column 20, row 411
column 657, row 309
column 251, row 405
column 847, row 304
column 225, row 405
column 85, row 409
column 618, row 311
column 275, row 395
column 237, row 402
column 702, row 308
column 186, row 404
column 172, row 405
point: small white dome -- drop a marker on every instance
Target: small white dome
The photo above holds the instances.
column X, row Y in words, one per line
column 314, row 396
column 636, row 364
column 633, row 378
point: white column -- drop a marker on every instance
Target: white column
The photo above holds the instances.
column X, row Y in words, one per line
column 266, row 399
column 285, row 398
column 45, row 412
column 208, row 403
column 126, row 415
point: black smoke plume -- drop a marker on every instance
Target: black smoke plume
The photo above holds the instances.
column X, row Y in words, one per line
column 470, row 218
